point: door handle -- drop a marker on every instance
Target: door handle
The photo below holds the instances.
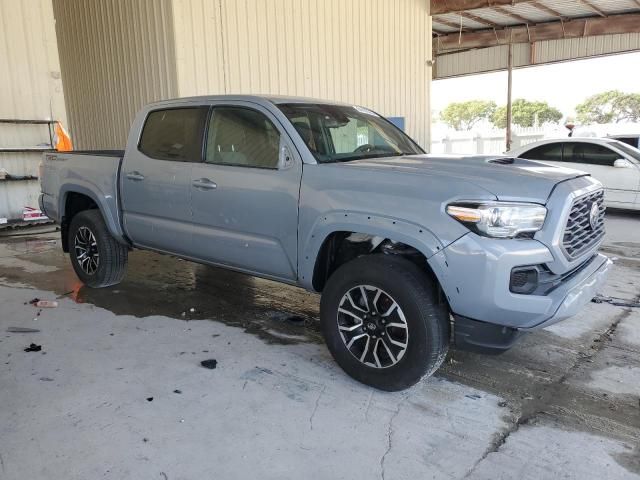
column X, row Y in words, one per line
column 205, row 184
column 136, row 176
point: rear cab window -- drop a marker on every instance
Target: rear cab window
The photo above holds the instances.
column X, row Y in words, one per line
column 174, row 134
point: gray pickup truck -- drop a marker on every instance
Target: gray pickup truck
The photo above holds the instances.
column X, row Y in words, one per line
column 410, row 252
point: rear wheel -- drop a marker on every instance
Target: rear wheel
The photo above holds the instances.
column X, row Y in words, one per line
column 98, row 259
column 382, row 322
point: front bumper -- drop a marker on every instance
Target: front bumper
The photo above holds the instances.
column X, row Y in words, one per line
column 578, row 294
column 474, row 273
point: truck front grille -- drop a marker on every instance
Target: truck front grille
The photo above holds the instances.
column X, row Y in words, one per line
column 581, row 234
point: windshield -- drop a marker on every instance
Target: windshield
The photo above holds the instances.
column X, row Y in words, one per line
column 337, row 133
column 628, row 149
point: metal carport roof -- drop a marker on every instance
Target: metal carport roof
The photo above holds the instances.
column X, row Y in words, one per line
column 470, row 36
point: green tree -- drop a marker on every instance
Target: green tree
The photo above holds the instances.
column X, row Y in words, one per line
column 608, row 107
column 464, row 115
column 526, row 114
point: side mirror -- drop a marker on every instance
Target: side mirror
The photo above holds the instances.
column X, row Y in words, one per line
column 622, row 163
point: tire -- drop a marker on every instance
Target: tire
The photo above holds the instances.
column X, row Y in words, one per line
column 425, row 335
column 108, row 257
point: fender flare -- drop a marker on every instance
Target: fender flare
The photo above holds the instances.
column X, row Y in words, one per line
column 113, row 225
column 417, row 236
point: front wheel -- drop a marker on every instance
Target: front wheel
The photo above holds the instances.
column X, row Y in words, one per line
column 382, row 322
column 98, row 259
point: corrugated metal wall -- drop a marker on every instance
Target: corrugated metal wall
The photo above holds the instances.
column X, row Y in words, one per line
column 542, row 52
column 116, row 56
column 369, row 52
column 30, row 89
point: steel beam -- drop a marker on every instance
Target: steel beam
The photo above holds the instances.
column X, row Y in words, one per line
column 594, row 8
column 515, row 16
column 584, row 27
column 439, row 7
column 457, row 26
column 478, row 19
column 547, row 9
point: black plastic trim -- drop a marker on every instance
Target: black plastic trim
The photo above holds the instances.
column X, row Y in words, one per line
column 482, row 337
column 548, row 281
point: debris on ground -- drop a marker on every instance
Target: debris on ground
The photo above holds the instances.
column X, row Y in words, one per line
column 192, row 310
column 210, row 364
column 33, row 348
column 46, row 379
column 177, row 391
column 149, row 399
column 22, row 330
column 618, row 302
column 46, row 304
column 295, row 319
column 33, row 301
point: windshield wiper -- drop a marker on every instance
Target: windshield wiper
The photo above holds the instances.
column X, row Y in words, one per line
column 366, row 156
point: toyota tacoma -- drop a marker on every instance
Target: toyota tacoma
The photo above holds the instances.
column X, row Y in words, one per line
column 411, row 252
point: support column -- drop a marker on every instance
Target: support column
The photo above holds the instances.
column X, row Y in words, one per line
column 509, row 81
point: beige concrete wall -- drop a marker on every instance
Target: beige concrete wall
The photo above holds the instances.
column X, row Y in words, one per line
column 30, row 89
column 116, row 56
column 369, row 52
column 30, row 84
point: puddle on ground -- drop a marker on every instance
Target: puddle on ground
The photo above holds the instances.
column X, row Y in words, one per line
column 158, row 284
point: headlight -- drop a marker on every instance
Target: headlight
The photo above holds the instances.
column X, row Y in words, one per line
column 500, row 220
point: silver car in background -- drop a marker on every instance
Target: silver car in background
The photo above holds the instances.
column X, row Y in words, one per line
column 614, row 163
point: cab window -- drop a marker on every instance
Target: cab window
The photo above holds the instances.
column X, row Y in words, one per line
column 242, row 137
column 174, row 134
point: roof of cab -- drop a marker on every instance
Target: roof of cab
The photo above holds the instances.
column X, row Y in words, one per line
column 274, row 99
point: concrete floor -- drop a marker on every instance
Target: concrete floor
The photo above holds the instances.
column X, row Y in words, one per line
column 100, row 400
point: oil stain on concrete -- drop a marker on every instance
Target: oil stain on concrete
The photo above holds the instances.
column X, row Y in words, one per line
column 158, row 284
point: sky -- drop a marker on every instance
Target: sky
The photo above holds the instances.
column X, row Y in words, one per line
column 561, row 85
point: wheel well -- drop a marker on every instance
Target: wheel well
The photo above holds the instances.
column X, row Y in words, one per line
column 74, row 203
column 342, row 247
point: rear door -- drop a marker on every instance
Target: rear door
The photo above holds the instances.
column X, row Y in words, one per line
column 156, row 179
column 245, row 193
column 621, row 184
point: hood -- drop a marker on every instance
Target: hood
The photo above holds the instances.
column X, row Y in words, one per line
column 509, row 179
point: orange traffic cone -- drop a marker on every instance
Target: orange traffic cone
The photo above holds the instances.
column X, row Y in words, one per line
column 62, row 140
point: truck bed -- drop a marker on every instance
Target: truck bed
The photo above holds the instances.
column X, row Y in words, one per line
column 92, row 173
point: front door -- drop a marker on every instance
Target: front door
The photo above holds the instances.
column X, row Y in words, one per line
column 245, row 194
column 156, row 179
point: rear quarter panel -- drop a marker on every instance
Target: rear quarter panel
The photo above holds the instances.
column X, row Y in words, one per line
column 95, row 176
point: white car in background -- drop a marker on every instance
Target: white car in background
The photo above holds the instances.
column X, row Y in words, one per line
column 614, row 163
